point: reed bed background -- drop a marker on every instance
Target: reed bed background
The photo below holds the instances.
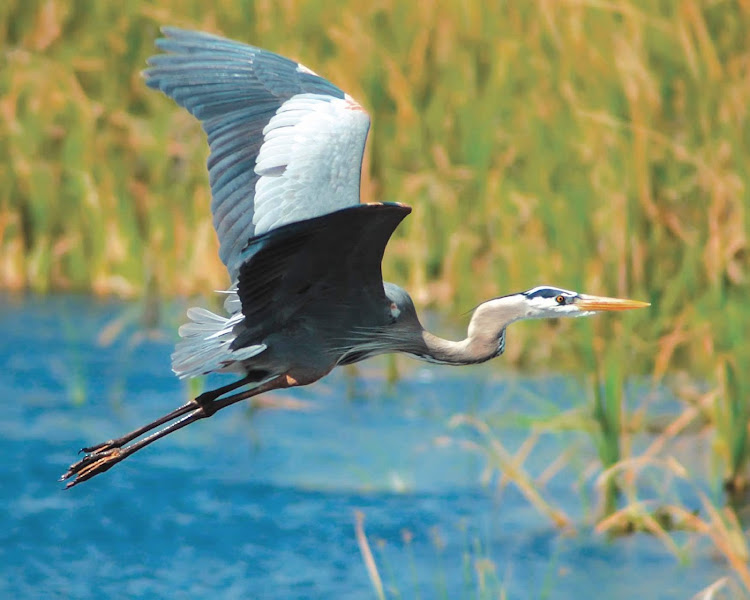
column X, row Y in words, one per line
column 598, row 145
column 601, row 146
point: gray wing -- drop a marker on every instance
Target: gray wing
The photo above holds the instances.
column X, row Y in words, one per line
column 315, row 267
column 286, row 145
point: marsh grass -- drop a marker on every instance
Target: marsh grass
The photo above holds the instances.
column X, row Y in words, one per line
column 647, row 492
column 607, row 414
column 724, row 587
column 506, row 467
column 367, row 557
column 599, row 146
column 480, row 581
column 731, row 415
column 719, row 524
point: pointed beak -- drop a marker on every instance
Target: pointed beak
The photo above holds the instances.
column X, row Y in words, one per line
column 596, row 303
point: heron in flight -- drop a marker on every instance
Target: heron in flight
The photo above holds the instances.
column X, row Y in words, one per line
column 303, row 255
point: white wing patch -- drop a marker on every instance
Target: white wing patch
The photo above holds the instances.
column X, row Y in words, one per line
column 310, row 161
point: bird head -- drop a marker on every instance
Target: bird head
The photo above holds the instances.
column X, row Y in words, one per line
column 549, row 302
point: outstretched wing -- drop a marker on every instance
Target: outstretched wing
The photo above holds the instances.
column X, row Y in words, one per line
column 286, row 145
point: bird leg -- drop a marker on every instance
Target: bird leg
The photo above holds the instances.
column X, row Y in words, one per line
column 102, row 457
column 200, row 401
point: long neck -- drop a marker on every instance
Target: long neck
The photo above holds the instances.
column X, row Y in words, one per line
column 485, row 338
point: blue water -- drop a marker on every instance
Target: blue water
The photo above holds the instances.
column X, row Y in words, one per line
column 261, row 504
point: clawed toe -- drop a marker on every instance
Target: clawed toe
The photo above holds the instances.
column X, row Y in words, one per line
column 95, row 462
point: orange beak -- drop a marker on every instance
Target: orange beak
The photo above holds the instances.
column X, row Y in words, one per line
column 586, row 302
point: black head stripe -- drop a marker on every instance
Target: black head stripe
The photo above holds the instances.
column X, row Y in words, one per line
column 545, row 292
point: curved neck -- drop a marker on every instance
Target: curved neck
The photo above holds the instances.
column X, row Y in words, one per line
column 465, row 352
column 485, row 338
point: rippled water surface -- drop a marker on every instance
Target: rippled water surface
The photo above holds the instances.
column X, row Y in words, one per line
column 262, row 504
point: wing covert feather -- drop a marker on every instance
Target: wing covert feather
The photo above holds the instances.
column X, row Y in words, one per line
column 329, row 260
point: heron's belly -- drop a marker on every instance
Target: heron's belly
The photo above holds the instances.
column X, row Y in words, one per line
column 298, row 354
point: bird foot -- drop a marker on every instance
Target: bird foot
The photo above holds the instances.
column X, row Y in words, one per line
column 98, row 459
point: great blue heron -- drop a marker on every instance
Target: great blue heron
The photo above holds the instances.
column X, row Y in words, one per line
column 303, row 254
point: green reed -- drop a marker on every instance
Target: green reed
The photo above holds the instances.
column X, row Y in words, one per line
column 731, row 416
column 607, row 413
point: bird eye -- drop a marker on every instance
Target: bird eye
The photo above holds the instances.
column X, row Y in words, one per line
column 560, row 299
column 395, row 312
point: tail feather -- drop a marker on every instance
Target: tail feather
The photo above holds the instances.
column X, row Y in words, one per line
column 206, row 341
column 232, row 304
column 201, row 314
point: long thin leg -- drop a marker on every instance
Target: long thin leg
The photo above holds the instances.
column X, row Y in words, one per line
column 202, row 400
column 105, row 456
